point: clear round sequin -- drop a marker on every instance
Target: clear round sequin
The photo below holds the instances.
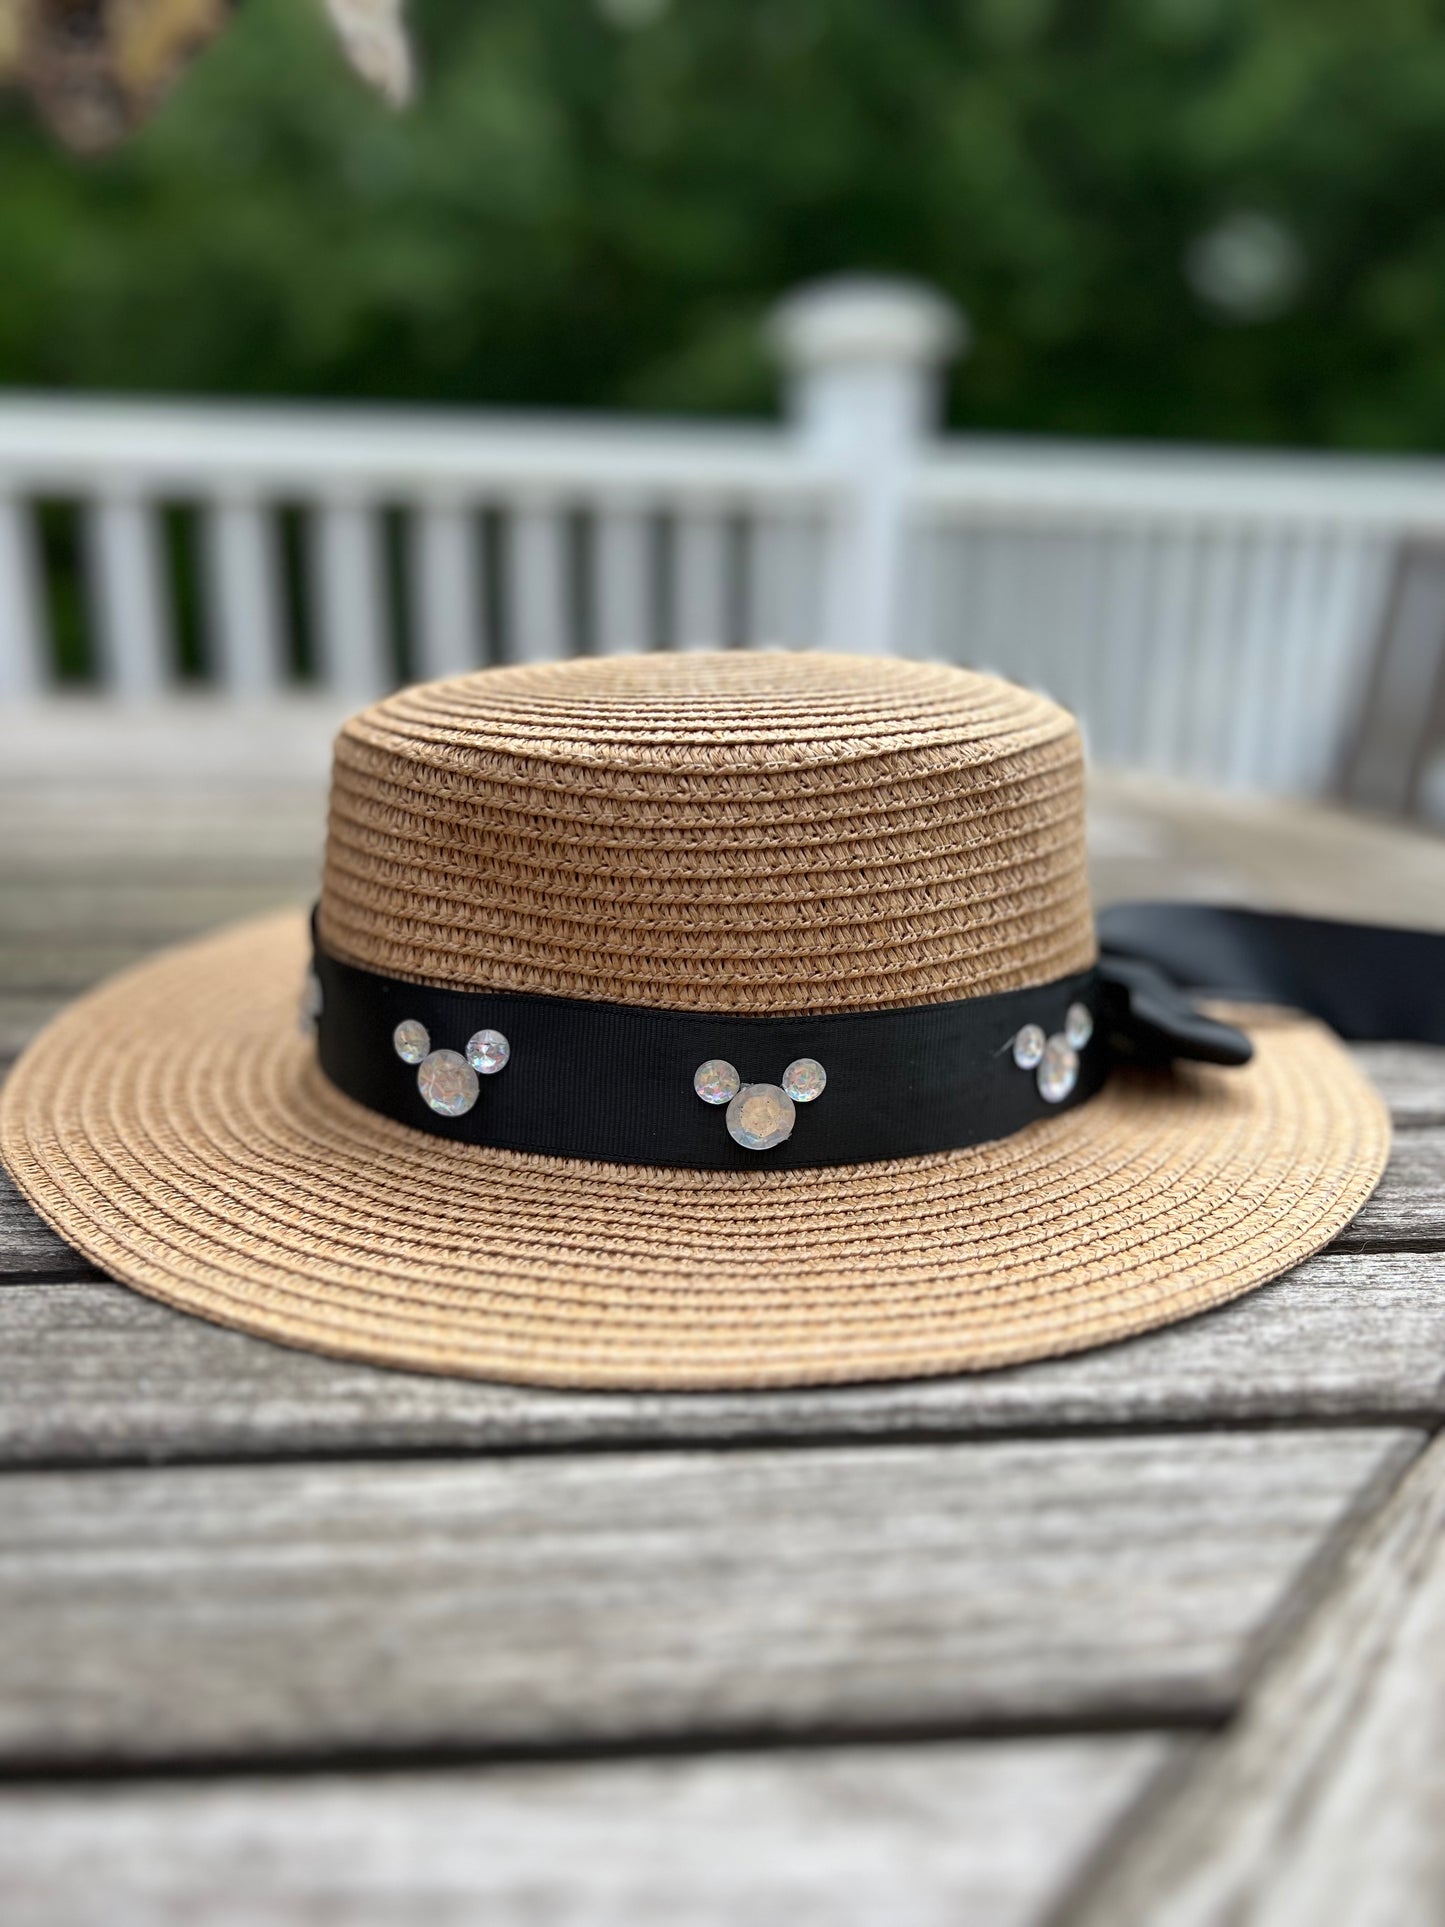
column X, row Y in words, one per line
column 1079, row 1025
column 1029, row 1046
column 411, row 1041
column 309, row 1014
column 1058, row 1069
column 448, row 1083
column 487, row 1052
column 716, row 1082
column 804, row 1079
column 760, row 1116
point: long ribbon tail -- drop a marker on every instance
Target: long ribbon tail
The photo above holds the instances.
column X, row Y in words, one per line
column 1369, row 982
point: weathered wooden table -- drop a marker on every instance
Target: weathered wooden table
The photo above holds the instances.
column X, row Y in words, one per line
column 1151, row 1635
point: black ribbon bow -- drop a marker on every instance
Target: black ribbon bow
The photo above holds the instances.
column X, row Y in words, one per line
column 1150, row 1020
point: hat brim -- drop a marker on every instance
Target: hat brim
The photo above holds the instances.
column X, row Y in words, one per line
column 175, row 1127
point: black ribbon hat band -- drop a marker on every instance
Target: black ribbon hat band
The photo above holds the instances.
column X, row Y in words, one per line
column 621, row 1083
column 626, row 1084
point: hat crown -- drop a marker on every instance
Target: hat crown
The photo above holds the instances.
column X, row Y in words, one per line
column 740, row 832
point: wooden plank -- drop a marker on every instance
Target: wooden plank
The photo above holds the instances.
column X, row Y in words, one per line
column 22, row 1015
column 1408, row 1210
column 126, row 909
column 265, row 1612
column 1410, row 1077
column 29, row 1248
column 930, row 1836
column 91, row 1373
column 1323, row 1803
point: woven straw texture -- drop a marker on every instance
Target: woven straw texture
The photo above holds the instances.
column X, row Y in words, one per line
column 738, row 832
column 678, row 833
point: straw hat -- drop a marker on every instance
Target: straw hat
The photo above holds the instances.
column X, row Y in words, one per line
column 741, row 835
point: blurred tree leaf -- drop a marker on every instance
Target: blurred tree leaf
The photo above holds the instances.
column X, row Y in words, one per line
column 1189, row 218
column 98, row 69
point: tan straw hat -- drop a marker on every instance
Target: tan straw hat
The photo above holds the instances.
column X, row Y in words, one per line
column 743, row 841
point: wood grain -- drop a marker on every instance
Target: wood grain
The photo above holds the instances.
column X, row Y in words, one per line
column 1410, row 1078
column 925, row 1837
column 1408, row 1210
column 226, row 1612
column 90, row 1372
column 1323, row 1804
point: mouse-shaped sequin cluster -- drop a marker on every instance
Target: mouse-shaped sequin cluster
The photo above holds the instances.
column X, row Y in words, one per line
column 447, row 1079
column 760, row 1116
column 1054, row 1060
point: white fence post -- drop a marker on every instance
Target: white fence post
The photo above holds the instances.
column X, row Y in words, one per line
column 24, row 669
column 863, row 361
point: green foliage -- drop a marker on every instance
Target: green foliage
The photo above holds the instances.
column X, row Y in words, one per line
column 584, row 213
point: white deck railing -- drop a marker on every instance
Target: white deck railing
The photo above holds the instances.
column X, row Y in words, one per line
column 1207, row 615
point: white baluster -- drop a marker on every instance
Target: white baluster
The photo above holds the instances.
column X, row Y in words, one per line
column 537, row 625
column 1172, row 641
column 922, row 620
column 24, row 665
column 1206, row 712
column 348, row 579
column 128, row 600
column 700, row 582
column 446, row 590
column 243, row 600
column 949, row 623
column 784, row 580
column 1303, row 589
column 1252, row 695
column 1071, row 624
column 622, row 580
column 1355, row 587
column 1030, row 635
column 994, row 643
column 1129, row 601
column 864, row 359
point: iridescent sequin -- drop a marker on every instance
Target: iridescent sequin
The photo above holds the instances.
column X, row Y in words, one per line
column 487, row 1052
column 1029, row 1046
column 448, row 1083
column 804, row 1079
column 1058, row 1069
column 716, row 1082
column 760, row 1116
column 309, row 1015
column 411, row 1041
column 1079, row 1025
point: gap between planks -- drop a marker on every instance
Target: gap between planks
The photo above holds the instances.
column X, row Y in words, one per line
column 1322, row 1803
column 920, row 1837
column 536, row 1604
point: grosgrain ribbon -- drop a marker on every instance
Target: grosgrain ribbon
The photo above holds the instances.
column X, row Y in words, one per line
column 613, row 1082
column 1369, row 982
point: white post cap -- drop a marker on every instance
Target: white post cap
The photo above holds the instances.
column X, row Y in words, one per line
column 865, row 318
